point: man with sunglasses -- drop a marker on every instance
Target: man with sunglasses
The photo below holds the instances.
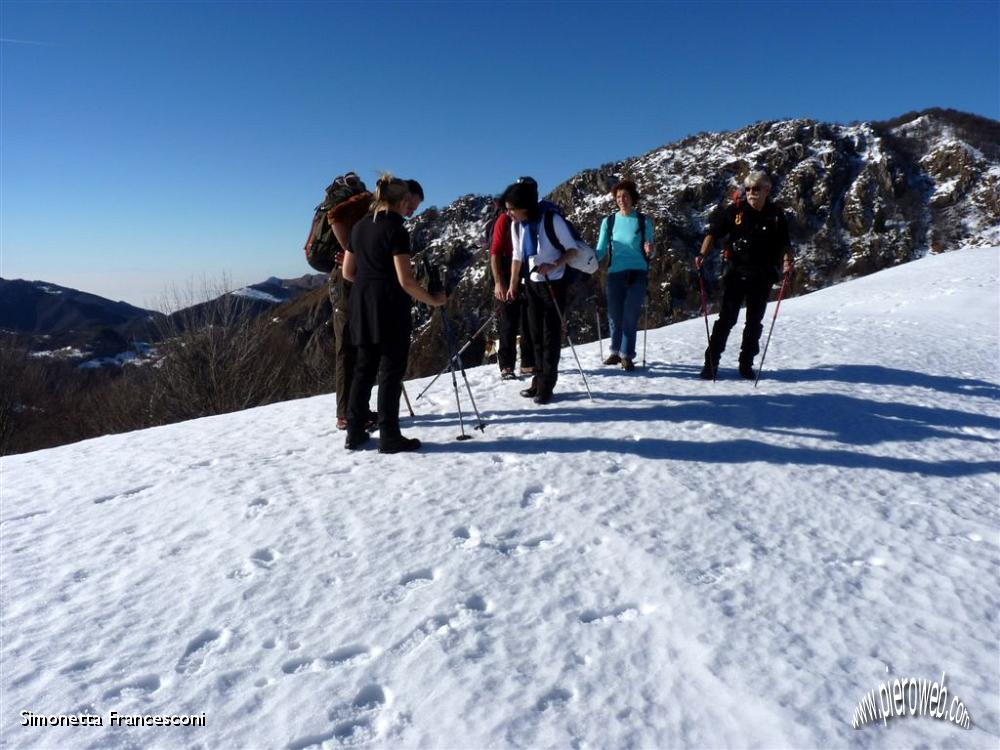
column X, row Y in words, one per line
column 342, row 217
column 756, row 233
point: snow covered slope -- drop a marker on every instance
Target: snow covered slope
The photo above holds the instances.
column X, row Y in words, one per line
column 677, row 564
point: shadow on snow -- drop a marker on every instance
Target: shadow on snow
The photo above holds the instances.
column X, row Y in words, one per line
column 810, row 417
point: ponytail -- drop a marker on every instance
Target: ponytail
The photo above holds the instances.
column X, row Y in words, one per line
column 389, row 191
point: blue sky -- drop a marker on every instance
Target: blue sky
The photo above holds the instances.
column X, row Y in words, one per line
column 144, row 144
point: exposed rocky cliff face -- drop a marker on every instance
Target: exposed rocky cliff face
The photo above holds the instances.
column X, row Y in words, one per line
column 859, row 198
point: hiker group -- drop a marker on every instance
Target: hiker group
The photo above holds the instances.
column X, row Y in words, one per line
column 360, row 238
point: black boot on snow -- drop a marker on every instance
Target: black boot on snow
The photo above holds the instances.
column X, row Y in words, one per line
column 356, row 439
column 398, row 444
column 709, row 371
column 747, row 371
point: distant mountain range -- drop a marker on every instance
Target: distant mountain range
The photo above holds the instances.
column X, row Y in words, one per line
column 860, row 197
column 76, row 325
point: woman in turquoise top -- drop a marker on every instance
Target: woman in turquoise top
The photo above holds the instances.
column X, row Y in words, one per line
column 630, row 246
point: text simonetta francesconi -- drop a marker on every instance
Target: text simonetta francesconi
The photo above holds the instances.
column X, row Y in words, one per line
column 113, row 719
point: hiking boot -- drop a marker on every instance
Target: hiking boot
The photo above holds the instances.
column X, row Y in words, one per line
column 542, row 397
column 747, row 372
column 709, row 371
column 628, row 365
column 613, row 359
column 353, row 442
column 398, row 444
column 507, row 374
column 530, row 392
column 341, row 423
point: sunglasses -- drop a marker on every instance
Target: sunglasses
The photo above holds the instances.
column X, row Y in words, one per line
column 348, row 180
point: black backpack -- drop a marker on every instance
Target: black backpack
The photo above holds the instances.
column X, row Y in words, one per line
column 321, row 245
column 585, row 260
column 642, row 235
column 549, row 209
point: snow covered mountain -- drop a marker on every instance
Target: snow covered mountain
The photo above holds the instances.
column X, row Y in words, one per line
column 674, row 564
column 860, row 197
column 253, row 299
column 76, row 326
column 48, row 317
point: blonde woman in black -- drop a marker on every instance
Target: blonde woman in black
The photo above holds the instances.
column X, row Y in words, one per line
column 378, row 265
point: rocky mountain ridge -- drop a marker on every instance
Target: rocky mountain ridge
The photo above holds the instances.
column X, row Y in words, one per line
column 859, row 198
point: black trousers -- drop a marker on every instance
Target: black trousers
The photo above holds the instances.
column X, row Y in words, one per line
column 546, row 330
column 387, row 362
column 739, row 287
column 511, row 316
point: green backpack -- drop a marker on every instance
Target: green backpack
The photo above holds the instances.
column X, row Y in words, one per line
column 321, row 244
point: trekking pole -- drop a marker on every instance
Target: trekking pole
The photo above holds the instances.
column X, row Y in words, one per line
column 645, row 327
column 458, row 404
column 781, row 293
column 457, row 354
column 704, row 308
column 451, row 345
column 435, row 285
column 600, row 341
column 565, row 328
column 406, row 398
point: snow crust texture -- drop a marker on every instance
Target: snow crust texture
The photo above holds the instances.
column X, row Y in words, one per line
column 677, row 564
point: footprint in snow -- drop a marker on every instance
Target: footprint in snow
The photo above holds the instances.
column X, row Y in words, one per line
column 122, row 495
column 537, row 494
column 346, row 654
column 140, row 686
column 420, row 577
column 355, row 723
column 199, row 648
column 553, row 698
column 626, row 613
column 203, row 464
column 413, row 580
column 298, row 664
column 81, row 665
column 712, row 574
column 340, row 657
column 264, row 557
column 256, row 507
column 477, row 603
column 511, row 548
column 469, row 535
column 612, row 469
column 238, row 574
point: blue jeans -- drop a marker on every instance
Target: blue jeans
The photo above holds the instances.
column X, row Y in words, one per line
column 626, row 292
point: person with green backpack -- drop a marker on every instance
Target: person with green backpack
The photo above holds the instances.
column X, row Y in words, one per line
column 626, row 238
column 341, row 217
